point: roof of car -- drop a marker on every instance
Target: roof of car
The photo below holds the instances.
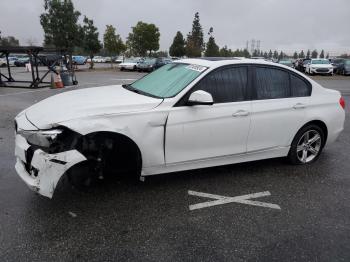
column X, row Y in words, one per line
column 224, row 61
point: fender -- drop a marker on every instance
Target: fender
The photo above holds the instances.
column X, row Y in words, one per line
column 145, row 129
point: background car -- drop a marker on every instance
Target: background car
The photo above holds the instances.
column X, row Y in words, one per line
column 130, row 64
column 286, row 62
column 305, row 62
column 79, row 60
column 22, row 61
column 148, row 65
column 319, row 66
column 99, row 59
column 119, row 59
column 3, row 62
column 344, row 67
column 12, row 60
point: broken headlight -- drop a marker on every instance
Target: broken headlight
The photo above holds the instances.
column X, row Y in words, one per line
column 51, row 141
column 42, row 138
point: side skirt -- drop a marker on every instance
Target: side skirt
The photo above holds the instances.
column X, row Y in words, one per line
column 217, row 161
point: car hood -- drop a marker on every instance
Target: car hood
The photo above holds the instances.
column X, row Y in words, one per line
column 88, row 102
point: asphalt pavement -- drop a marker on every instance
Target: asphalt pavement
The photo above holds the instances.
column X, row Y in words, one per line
column 267, row 210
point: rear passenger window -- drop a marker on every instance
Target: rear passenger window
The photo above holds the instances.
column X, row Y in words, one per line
column 271, row 83
column 226, row 85
column 299, row 87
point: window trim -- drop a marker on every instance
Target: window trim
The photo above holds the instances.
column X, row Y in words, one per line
column 248, row 92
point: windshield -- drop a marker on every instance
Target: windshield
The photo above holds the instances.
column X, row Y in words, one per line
column 347, row 62
column 168, row 80
column 320, row 61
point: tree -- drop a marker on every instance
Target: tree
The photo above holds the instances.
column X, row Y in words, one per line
column 177, row 48
column 327, row 56
column 275, row 54
column 308, row 54
column 301, row 54
column 266, row 55
column 281, row 55
column 112, row 41
column 255, row 53
column 295, row 55
column 314, row 54
column 8, row 41
column 212, row 49
column 322, row 54
column 90, row 42
column 245, row 53
column 270, row 54
column 143, row 38
column 225, row 52
column 195, row 42
column 59, row 22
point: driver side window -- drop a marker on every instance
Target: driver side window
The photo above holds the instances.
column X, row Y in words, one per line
column 226, row 85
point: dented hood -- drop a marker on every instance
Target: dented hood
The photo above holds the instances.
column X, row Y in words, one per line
column 88, row 102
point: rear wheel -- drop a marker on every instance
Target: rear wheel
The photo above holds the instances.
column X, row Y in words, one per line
column 307, row 145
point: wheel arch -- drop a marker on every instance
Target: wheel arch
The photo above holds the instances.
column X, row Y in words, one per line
column 318, row 123
column 119, row 138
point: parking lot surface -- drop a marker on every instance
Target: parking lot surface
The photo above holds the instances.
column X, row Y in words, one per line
column 258, row 211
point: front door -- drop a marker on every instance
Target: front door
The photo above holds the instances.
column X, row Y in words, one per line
column 208, row 131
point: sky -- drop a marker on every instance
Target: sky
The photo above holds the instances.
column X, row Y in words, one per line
column 286, row 25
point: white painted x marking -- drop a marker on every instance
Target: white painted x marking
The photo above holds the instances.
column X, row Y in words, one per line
column 220, row 200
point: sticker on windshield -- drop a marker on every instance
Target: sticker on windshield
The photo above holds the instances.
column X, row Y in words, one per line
column 197, row 68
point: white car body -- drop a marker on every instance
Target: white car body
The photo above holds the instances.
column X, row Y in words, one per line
column 173, row 138
column 315, row 68
column 12, row 60
column 99, row 59
column 130, row 64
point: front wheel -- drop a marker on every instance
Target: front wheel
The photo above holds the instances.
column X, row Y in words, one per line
column 307, row 145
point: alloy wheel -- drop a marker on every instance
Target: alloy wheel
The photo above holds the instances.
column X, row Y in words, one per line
column 309, row 146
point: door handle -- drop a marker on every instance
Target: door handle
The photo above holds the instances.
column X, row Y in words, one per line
column 299, row 106
column 240, row 113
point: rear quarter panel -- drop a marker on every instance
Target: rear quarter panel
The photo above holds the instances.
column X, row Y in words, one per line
column 324, row 106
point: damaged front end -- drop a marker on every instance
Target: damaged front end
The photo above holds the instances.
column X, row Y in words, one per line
column 44, row 156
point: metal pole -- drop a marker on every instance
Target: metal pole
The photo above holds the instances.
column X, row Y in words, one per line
column 32, row 69
column 10, row 79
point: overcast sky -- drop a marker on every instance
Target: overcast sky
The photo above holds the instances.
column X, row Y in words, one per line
column 286, row 25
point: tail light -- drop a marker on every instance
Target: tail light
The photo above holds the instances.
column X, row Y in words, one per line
column 342, row 102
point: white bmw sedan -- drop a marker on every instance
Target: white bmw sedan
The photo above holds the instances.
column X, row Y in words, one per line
column 190, row 114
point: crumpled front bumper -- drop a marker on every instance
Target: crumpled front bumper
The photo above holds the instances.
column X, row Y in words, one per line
column 44, row 170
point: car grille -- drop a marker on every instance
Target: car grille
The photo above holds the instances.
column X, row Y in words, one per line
column 322, row 70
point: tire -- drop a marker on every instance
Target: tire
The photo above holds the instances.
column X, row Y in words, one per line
column 302, row 153
column 83, row 176
column 343, row 72
column 134, row 68
column 122, row 69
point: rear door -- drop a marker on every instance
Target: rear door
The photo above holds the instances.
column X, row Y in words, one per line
column 278, row 110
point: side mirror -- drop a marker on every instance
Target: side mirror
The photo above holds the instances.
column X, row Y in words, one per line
column 200, row 97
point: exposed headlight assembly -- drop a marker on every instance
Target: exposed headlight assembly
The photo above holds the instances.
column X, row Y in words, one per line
column 53, row 140
column 42, row 138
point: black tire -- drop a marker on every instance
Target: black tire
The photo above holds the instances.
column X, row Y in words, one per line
column 293, row 153
column 83, row 175
column 135, row 68
column 122, row 69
